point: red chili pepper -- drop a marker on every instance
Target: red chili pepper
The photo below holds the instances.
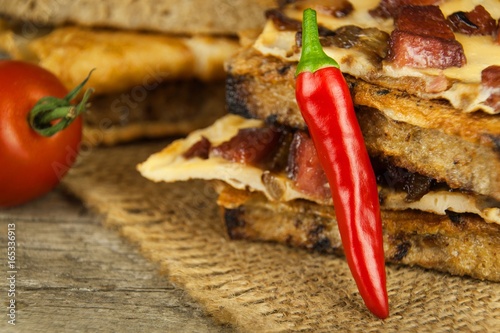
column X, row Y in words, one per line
column 326, row 105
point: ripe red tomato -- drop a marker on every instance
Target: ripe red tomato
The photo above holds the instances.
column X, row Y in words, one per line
column 31, row 164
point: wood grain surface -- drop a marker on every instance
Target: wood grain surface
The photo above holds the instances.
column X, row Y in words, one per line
column 74, row 275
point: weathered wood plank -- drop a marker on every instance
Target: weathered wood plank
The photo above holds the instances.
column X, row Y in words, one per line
column 73, row 275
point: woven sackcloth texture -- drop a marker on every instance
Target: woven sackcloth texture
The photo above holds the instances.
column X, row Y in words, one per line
column 262, row 287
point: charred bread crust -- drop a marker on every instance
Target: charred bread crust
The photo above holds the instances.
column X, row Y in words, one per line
column 253, row 80
column 459, row 244
column 430, row 152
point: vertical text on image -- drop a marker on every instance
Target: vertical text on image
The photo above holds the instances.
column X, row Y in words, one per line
column 11, row 273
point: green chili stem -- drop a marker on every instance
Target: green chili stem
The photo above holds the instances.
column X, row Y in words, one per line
column 313, row 57
column 48, row 109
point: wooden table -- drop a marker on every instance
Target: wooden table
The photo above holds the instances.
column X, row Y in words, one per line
column 74, row 275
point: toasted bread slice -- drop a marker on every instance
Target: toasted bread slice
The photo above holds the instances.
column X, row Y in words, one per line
column 167, row 16
column 460, row 244
column 171, row 109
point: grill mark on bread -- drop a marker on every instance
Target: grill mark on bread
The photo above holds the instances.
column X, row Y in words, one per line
column 402, row 248
column 234, row 222
column 236, row 96
column 322, row 245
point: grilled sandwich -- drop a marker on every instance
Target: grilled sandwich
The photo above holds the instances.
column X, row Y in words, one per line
column 158, row 64
column 429, row 117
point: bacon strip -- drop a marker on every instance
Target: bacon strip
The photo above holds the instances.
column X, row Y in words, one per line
column 476, row 22
column 422, row 39
column 490, row 80
column 390, row 8
column 305, row 169
column 496, row 34
column 250, row 146
column 200, row 149
column 255, row 146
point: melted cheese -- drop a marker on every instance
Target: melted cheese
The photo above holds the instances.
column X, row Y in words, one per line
column 169, row 165
column 359, row 17
column 438, row 202
column 122, row 59
column 465, row 93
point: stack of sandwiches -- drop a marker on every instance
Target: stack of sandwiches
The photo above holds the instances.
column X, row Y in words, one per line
column 425, row 80
column 158, row 64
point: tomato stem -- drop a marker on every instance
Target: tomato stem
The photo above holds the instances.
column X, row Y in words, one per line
column 44, row 115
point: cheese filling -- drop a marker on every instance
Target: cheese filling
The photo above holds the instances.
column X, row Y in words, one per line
column 122, row 60
column 169, row 165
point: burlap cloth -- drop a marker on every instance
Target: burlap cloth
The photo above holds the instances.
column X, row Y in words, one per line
column 261, row 287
